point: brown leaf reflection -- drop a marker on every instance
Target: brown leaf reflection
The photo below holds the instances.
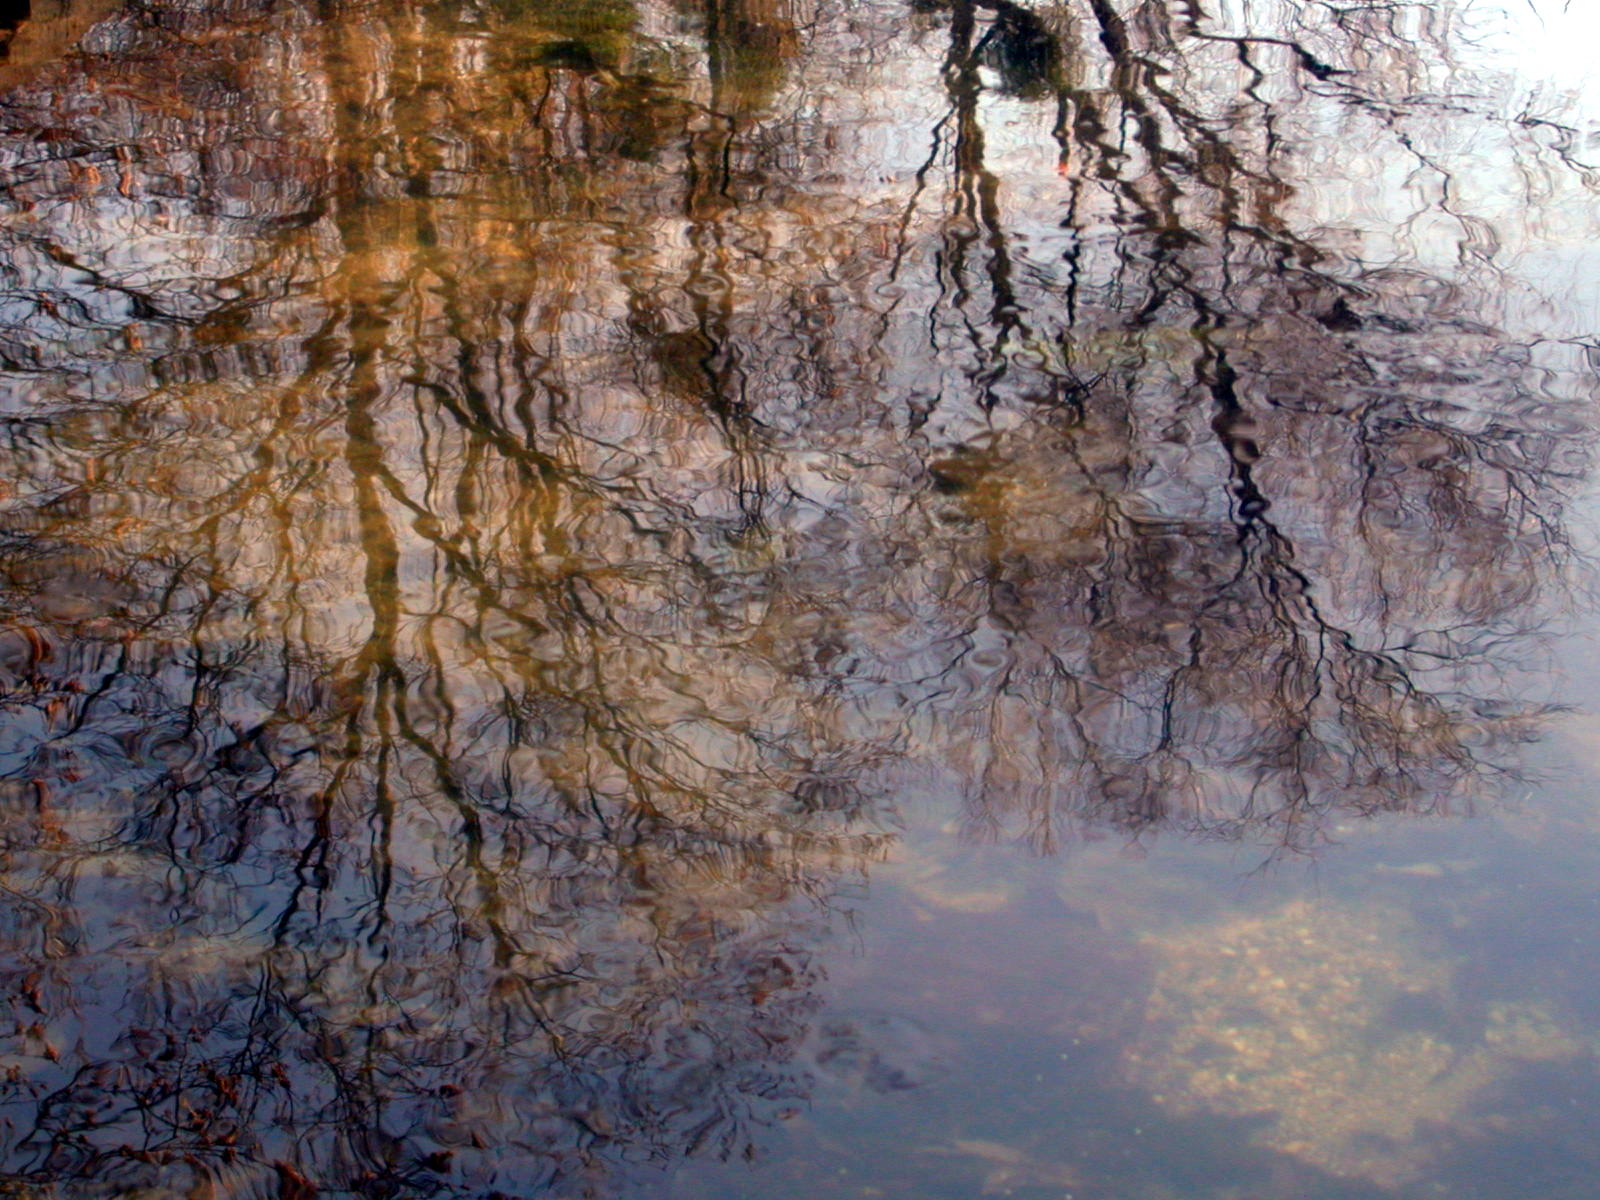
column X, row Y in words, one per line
column 494, row 491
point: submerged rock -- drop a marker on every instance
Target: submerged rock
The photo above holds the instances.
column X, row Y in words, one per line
column 1337, row 1030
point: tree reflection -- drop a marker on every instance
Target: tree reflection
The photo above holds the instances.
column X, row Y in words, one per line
column 1300, row 638
column 493, row 487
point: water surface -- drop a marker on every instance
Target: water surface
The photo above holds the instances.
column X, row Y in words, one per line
column 788, row 598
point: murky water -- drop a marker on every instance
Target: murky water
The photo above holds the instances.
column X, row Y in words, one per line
column 798, row 598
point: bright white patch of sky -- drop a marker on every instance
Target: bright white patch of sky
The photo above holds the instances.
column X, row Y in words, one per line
column 1554, row 41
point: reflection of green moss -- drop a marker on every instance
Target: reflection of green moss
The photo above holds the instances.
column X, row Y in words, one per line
column 755, row 72
column 757, row 54
column 578, row 34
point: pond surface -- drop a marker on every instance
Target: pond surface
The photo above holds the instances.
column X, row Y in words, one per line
column 799, row 598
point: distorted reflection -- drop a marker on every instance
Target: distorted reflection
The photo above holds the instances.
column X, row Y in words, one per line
column 501, row 497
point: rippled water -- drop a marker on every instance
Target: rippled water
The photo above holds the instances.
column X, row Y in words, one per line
column 798, row 598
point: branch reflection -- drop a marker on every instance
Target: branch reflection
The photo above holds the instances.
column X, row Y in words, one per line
column 495, row 491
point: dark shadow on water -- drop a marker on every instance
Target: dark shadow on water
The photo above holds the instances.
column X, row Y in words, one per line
column 1532, row 1136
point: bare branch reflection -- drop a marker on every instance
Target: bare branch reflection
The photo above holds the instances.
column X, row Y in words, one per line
column 495, row 492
